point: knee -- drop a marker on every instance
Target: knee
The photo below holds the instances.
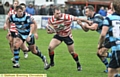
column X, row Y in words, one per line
column 33, row 49
column 50, row 48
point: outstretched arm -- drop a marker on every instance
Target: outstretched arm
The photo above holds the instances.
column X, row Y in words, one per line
column 83, row 25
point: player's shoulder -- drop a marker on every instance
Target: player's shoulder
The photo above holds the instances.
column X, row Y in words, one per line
column 99, row 16
column 112, row 16
column 27, row 14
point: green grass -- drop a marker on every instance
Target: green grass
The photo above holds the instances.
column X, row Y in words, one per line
column 85, row 46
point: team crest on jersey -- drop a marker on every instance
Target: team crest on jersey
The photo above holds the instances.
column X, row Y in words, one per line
column 22, row 23
column 60, row 26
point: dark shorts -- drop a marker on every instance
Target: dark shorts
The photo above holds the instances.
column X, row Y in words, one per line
column 68, row 40
column 115, row 60
column 31, row 42
column 107, row 44
column 13, row 34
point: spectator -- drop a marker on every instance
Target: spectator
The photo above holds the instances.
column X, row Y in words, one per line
column 30, row 9
column 71, row 10
column 43, row 10
column 2, row 11
column 50, row 10
column 66, row 10
column 80, row 9
column 83, row 11
column 6, row 7
column 102, row 11
column 77, row 11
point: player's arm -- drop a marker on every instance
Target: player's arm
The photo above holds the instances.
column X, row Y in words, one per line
column 103, row 32
column 93, row 27
column 96, row 21
column 7, row 21
column 48, row 26
column 102, row 36
column 35, row 29
column 83, row 25
column 6, row 26
column 32, row 28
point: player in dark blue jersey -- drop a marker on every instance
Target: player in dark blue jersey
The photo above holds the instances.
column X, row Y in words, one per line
column 111, row 25
column 96, row 25
column 25, row 30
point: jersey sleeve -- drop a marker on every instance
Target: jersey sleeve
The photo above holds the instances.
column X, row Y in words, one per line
column 29, row 20
column 69, row 17
column 106, row 22
column 98, row 19
column 10, row 18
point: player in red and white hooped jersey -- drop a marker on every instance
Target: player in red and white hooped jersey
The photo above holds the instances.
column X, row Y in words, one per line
column 61, row 23
column 11, row 27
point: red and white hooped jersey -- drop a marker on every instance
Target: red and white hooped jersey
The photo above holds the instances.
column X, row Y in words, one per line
column 62, row 25
column 12, row 25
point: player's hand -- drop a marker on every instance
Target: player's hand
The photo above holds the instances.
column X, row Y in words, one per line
column 90, row 22
column 5, row 27
column 79, row 22
column 28, row 39
column 36, row 35
column 99, row 46
column 50, row 32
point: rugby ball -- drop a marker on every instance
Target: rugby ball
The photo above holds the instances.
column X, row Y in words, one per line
column 51, row 28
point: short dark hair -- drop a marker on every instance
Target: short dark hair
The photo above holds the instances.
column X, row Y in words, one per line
column 116, row 6
column 22, row 4
column 56, row 8
column 90, row 7
column 18, row 7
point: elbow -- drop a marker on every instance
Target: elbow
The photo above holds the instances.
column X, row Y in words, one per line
column 102, row 36
column 93, row 29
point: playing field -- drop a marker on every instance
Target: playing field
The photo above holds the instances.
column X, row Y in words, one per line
column 85, row 46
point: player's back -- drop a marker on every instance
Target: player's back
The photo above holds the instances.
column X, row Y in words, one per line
column 113, row 22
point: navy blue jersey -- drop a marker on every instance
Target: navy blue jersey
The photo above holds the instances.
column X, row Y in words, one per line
column 22, row 24
column 113, row 22
column 97, row 18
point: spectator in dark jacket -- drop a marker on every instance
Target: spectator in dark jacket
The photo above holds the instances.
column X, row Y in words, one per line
column 50, row 10
column 43, row 10
column 2, row 11
column 71, row 10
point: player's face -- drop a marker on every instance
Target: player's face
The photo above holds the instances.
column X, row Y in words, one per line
column 88, row 12
column 57, row 14
column 15, row 4
column 19, row 13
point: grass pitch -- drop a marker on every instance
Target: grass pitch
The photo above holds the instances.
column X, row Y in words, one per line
column 85, row 46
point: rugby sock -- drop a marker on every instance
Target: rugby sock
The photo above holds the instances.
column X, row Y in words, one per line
column 25, row 51
column 75, row 56
column 105, row 61
column 51, row 55
column 40, row 54
column 16, row 55
column 109, row 55
column 117, row 75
